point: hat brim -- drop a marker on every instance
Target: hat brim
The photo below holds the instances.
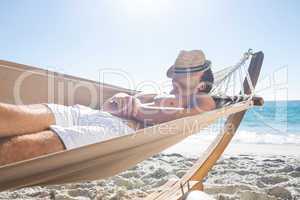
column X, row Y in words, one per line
column 170, row 72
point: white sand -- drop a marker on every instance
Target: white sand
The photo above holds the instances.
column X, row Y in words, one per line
column 243, row 177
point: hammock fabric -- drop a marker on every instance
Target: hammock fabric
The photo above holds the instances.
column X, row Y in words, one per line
column 107, row 158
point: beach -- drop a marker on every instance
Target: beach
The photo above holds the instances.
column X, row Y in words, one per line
column 235, row 176
column 218, row 80
column 262, row 162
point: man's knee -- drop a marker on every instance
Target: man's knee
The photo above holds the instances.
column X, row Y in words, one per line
column 8, row 148
column 17, row 120
column 28, row 146
column 7, row 115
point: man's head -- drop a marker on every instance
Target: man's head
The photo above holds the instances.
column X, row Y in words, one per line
column 191, row 74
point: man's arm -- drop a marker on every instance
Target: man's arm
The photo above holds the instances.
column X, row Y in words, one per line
column 122, row 99
column 145, row 98
column 127, row 106
column 155, row 115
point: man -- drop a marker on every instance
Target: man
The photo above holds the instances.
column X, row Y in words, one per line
column 28, row 131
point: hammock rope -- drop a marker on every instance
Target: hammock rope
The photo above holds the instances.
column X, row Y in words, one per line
column 226, row 77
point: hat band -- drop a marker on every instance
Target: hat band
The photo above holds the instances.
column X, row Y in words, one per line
column 204, row 67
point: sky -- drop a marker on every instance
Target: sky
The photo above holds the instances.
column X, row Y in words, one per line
column 143, row 37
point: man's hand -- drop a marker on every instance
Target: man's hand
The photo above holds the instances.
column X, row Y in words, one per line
column 124, row 105
column 145, row 97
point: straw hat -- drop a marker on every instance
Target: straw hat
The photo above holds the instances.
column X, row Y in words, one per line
column 188, row 62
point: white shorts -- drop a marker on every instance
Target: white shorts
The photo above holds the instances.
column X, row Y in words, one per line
column 80, row 125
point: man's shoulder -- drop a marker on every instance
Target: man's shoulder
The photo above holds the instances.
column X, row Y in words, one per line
column 206, row 101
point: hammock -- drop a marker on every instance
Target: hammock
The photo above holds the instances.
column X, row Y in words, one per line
column 18, row 84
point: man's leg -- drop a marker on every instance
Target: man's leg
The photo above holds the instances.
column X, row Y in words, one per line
column 28, row 146
column 23, row 119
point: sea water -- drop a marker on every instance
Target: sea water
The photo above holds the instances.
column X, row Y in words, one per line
column 276, row 124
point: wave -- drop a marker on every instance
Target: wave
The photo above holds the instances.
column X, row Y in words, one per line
column 195, row 145
column 266, row 138
column 252, row 137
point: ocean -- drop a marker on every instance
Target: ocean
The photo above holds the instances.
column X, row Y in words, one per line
column 273, row 127
column 277, row 122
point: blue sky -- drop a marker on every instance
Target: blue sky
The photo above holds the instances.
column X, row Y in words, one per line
column 143, row 37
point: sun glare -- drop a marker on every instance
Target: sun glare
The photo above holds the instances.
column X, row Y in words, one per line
column 146, row 7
